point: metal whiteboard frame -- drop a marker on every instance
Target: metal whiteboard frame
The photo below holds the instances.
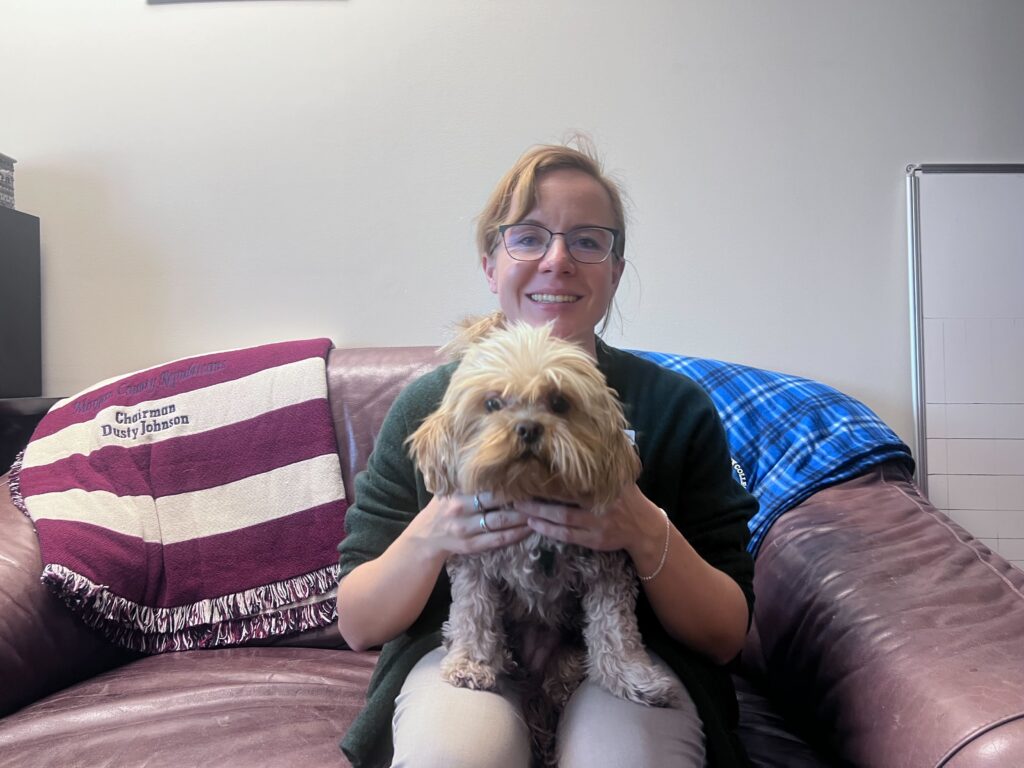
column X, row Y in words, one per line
column 918, row 395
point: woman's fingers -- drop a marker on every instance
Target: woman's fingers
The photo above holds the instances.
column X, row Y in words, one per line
column 482, row 521
column 500, row 519
column 558, row 513
column 570, row 523
column 485, row 501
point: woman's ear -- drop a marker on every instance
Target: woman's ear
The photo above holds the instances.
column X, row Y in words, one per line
column 489, row 263
column 618, row 266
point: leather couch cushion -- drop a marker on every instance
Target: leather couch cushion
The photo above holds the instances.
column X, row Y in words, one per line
column 769, row 740
column 237, row 706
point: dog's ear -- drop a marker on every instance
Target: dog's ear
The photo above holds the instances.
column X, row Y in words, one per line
column 621, row 465
column 432, row 448
column 469, row 331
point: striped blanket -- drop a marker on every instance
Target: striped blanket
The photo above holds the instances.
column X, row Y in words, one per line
column 789, row 436
column 195, row 504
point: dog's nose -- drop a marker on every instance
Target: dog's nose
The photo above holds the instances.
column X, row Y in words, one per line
column 529, row 431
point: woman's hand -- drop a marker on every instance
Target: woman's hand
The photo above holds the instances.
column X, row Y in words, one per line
column 622, row 525
column 468, row 524
column 382, row 597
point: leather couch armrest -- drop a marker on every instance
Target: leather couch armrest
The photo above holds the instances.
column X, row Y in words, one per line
column 890, row 633
column 42, row 646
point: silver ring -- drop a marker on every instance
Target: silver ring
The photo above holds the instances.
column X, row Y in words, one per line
column 478, row 506
column 483, row 522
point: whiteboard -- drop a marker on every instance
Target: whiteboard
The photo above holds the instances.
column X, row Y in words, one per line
column 966, row 245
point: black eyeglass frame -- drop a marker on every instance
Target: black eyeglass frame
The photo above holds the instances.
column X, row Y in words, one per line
column 502, row 228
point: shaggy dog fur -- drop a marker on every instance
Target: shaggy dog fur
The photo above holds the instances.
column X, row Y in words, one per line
column 529, row 416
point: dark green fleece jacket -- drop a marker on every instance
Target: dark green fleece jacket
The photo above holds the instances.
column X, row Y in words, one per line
column 686, row 471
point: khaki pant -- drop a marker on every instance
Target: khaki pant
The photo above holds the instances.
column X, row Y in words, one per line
column 439, row 726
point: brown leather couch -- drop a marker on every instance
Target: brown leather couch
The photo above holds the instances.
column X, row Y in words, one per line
column 884, row 636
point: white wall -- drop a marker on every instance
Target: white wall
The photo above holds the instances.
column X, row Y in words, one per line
column 213, row 175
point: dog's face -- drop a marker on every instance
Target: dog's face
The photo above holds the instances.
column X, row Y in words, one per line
column 526, row 415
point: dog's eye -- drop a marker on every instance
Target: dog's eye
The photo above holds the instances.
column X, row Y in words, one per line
column 559, row 404
column 492, row 404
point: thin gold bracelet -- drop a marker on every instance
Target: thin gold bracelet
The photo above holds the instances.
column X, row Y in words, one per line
column 664, row 553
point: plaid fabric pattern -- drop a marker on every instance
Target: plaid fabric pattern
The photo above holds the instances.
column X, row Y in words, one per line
column 790, row 436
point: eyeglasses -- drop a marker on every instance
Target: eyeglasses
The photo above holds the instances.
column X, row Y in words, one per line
column 529, row 242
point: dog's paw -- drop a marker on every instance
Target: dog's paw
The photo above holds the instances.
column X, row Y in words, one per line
column 659, row 691
column 643, row 684
column 466, row 673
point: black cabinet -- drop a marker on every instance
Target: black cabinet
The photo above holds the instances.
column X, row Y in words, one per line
column 18, row 418
column 21, row 347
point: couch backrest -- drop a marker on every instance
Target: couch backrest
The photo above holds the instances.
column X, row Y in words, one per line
column 362, row 384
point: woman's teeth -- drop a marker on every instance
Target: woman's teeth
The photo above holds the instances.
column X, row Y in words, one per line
column 551, row 298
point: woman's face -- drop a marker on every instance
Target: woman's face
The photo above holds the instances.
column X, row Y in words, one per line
column 556, row 288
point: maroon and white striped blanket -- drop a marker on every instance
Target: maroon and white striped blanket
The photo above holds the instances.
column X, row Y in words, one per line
column 195, row 504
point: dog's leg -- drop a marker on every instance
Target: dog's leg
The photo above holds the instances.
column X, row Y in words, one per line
column 616, row 658
column 473, row 634
column 565, row 671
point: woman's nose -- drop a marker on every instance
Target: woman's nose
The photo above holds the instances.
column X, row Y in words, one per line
column 557, row 255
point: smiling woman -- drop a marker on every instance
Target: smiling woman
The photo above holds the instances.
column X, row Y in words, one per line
column 551, row 244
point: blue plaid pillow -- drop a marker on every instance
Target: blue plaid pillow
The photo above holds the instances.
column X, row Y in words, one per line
column 790, row 437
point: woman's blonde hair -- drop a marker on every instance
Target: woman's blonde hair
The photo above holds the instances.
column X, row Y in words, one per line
column 516, row 193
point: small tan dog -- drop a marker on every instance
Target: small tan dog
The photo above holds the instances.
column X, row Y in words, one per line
column 530, row 416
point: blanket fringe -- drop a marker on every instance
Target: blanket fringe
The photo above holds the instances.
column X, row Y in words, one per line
column 14, row 483
column 286, row 607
